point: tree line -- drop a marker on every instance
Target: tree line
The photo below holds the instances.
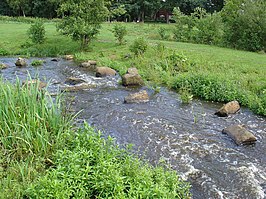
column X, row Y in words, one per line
column 129, row 10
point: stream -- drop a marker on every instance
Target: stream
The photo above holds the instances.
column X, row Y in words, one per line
column 188, row 138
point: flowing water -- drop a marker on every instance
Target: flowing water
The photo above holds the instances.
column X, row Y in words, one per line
column 186, row 137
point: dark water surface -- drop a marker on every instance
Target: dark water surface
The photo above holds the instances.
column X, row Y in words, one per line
column 187, row 137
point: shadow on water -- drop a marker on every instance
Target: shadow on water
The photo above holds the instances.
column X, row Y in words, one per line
column 187, row 137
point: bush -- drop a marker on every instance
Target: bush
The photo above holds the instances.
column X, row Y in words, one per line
column 209, row 30
column 163, row 33
column 37, row 32
column 119, row 33
column 245, row 23
column 139, row 46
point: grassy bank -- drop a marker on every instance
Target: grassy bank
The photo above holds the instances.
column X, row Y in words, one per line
column 43, row 156
column 209, row 72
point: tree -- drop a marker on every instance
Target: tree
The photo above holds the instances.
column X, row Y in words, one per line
column 20, row 6
column 81, row 19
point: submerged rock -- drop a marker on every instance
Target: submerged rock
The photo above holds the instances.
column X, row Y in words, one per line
column 138, row 97
column 74, row 81
column 132, row 78
column 91, row 65
column 240, row 135
column 229, row 108
column 21, row 62
column 78, row 87
column 69, row 57
column 34, row 82
column 105, row 71
column 3, row 66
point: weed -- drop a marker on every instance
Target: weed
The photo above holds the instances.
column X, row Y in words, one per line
column 139, row 46
column 119, row 33
column 37, row 62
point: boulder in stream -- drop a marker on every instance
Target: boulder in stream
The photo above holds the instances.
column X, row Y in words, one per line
column 229, row 108
column 34, row 82
column 78, row 87
column 91, row 65
column 132, row 78
column 74, row 81
column 105, row 71
column 240, row 135
column 69, row 57
column 3, row 66
column 21, row 62
column 139, row 97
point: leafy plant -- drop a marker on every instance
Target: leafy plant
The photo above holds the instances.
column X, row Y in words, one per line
column 185, row 94
column 93, row 167
column 37, row 32
column 163, row 33
column 119, row 33
column 37, row 62
column 139, row 46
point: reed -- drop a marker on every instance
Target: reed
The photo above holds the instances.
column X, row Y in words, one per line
column 30, row 122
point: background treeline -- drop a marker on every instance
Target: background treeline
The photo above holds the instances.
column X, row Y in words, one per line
column 135, row 9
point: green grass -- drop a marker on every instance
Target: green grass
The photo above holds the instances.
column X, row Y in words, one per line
column 43, row 156
column 244, row 72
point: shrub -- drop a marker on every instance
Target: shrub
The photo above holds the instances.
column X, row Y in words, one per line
column 139, row 46
column 245, row 23
column 37, row 32
column 119, row 33
column 209, row 30
column 163, row 33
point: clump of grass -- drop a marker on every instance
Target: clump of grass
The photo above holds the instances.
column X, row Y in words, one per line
column 30, row 122
column 37, row 62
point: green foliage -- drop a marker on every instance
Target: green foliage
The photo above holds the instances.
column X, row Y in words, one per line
column 199, row 27
column 209, row 30
column 119, row 33
column 37, row 62
column 245, row 22
column 139, row 46
column 3, row 52
column 185, row 94
column 178, row 62
column 211, row 87
column 93, row 167
column 37, row 127
column 37, row 32
column 81, row 19
column 164, row 35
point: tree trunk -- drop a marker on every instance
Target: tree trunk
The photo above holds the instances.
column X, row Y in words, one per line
column 142, row 16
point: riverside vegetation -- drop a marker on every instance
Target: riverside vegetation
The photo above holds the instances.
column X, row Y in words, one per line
column 43, row 155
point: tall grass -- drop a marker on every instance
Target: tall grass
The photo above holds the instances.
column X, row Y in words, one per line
column 30, row 123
